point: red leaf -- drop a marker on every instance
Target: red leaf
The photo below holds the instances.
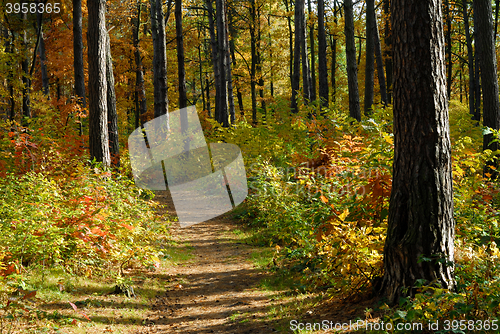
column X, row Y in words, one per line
column 30, row 294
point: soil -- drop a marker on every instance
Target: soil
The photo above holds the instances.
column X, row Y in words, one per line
column 215, row 292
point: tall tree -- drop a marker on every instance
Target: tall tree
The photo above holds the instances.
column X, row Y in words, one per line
column 221, row 110
column 449, row 61
column 489, row 78
column 181, row 71
column 25, row 68
column 313, row 52
column 98, row 119
column 419, row 243
column 78, row 53
column 159, row 59
column 299, row 10
column 380, row 63
column 470, row 61
column 370, row 56
column 352, row 67
column 114, row 144
column 388, row 48
column 140, row 91
column 322, row 66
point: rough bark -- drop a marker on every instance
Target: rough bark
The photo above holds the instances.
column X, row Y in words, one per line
column 159, row 59
column 420, row 233
column 78, row 53
column 140, row 91
column 352, row 68
column 322, row 64
column 98, row 120
column 181, row 71
column 489, row 78
column 380, row 64
column 370, row 56
column 114, row 144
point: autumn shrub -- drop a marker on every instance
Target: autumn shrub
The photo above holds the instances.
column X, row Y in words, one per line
column 87, row 223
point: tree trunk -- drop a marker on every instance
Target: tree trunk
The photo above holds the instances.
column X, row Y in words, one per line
column 258, row 68
column 159, row 59
column 470, row 61
column 98, row 120
column 352, row 68
column 140, row 91
column 114, row 144
column 313, row 54
column 296, row 54
column 477, row 68
column 497, row 8
column 449, row 64
column 221, row 114
column 290, row 42
column 370, row 56
column 232, row 32
column 43, row 66
column 306, row 72
column 78, row 53
column 229, row 74
column 253, row 65
column 489, row 78
column 380, row 64
column 322, row 65
column 215, row 56
column 388, row 49
column 421, row 229
column 333, row 45
column 181, row 71
column 25, row 75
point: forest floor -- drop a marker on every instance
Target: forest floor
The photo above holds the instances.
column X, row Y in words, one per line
column 211, row 281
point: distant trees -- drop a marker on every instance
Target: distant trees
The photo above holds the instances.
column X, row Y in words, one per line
column 352, row 67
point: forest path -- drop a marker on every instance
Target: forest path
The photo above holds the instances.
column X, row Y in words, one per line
column 217, row 289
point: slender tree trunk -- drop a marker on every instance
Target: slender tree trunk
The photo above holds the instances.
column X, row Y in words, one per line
column 380, row 64
column 215, row 57
column 370, row 56
column 159, row 59
column 43, row 65
column 477, row 67
column 421, row 228
column 221, row 115
column 229, row 74
column 98, row 115
column 296, row 54
column 258, row 67
column 140, row 91
column 253, row 66
column 449, row 64
column 313, row 54
column 306, row 72
column 180, row 55
column 25, row 75
column 333, row 45
column 290, row 42
column 78, row 53
column 497, row 8
column 232, row 32
column 388, row 49
column 470, row 61
column 489, row 78
column 114, row 144
column 9, row 50
column 352, row 68
column 322, row 64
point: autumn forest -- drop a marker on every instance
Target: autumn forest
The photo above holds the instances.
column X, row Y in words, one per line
column 369, row 132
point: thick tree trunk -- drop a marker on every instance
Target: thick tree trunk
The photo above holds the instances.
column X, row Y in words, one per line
column 486, row 51
column 78, row 53
column 98, row 118
column 159, row 59
column 114, row 144
column 421, row 229
column 322, row 64
column 352, row 68
column 181, row 71
column 370, row 56
column 140, row 91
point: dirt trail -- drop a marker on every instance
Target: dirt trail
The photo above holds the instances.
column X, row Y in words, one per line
column 217, row 290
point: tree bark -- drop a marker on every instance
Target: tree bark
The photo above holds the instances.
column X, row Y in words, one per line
column 78, row 53
column 159, row 59
column 470, row 61
column 296, row 55
column 333, row 45
column 221, row 114
column 380, row 64
column 215, row 55
column 114, row 144
column 306, row 71
column 290, row 41
column 322, row 64
column 449, row 64
column 25, row 75
column 43, row 60
column 489, row 77
column 388, row 49
column 477, row 68
column 140, row 91
column 313, row 54
column 181, row 71
column 253, row 65
column 352, row 68
column 98, row 120
column 421, row 228
column 370, row 56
